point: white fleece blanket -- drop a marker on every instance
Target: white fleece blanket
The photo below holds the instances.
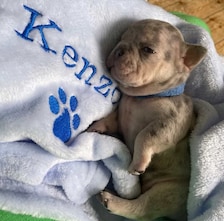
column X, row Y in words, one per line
column 54, row 84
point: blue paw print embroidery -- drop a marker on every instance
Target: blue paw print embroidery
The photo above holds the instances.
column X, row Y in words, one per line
column 67, row 119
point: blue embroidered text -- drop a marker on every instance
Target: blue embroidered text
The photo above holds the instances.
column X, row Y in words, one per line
column 30, row 27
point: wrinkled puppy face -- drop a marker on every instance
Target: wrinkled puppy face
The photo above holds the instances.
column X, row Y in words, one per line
column 150, row 51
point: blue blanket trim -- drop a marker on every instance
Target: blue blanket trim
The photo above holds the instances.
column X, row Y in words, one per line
column 168, row 93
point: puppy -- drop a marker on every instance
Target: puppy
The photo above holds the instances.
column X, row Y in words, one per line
column 150, row 64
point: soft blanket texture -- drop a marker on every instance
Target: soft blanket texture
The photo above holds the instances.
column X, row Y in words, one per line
column 54, row 84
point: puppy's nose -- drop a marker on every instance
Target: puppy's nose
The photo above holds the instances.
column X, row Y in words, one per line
column 119, row 52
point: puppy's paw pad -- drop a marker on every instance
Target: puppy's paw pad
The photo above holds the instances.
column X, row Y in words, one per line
column 136, row 173
column 106, row 199
column 97, row 127
column 136, row 170
column 105, row 202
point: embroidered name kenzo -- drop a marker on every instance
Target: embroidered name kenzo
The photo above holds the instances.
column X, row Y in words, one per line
column 70, row 57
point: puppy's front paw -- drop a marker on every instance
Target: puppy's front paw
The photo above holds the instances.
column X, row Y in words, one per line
column 136, row 169
column 98, row 127
column 106, row 199
column 140, row 161
column 135, row 172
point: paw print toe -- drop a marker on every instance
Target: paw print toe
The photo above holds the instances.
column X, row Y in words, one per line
column 73, row 103
column 76, row 121
column 62, row 95
column 54, row 105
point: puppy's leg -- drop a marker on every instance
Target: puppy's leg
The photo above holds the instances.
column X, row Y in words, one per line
column 158, row 136
column 143, row 152
column 166, row 199
column 109, row 124
column 131, row 209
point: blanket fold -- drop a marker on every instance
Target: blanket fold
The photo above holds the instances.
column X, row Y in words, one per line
column 54, row 84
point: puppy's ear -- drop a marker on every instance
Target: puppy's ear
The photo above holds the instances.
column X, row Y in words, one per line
column 193, row 55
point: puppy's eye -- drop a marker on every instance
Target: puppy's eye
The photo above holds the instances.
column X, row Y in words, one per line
column 148, row 50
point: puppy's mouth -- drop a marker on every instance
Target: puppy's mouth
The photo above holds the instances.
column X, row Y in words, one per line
column 127, row 85
column 126, row 79
column 124, row 69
